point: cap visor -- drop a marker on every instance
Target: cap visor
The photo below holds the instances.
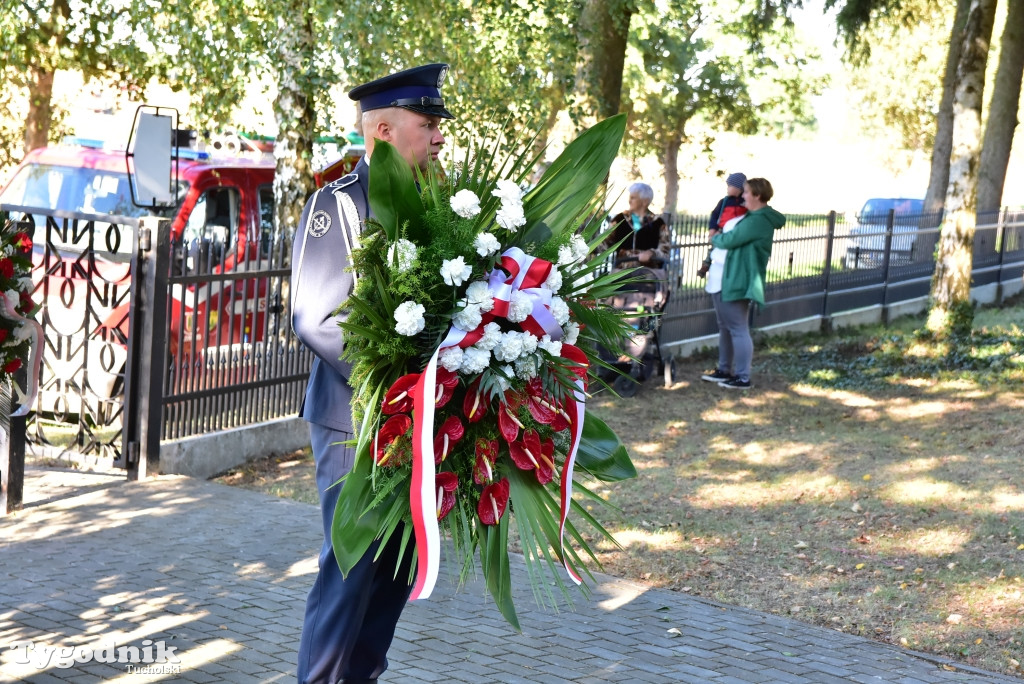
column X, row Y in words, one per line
column 431, row 111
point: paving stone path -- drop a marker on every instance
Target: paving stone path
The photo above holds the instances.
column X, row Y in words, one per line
column 220, row 575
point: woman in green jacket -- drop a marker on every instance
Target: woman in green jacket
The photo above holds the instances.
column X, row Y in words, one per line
column 749, row 246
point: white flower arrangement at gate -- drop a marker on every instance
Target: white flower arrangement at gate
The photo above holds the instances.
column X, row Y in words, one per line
column 473, row 331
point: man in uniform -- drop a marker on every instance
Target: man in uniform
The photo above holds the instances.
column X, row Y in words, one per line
column 349, row 623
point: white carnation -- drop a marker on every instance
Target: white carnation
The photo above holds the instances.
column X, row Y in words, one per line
column 25, row 284
column 526, row 367
column 572, row 332
column 474, row 360
column 491, row 338
column 565, row 255
column 13, row 298
column 503, row 380
column 579, row 248
column 509, row 217
column 22, row 333
column 451, row 358
column 478, row 294
column 466, row 204
column 409, row 318
column 468, row 319
column 486, row 244
column 509, row 193
column 553, row 347
column 560, row 310
column 520, row 307
column 406, row 255
column 455, row 271
column 510, row 347
column 554, row 279
column 529, row 342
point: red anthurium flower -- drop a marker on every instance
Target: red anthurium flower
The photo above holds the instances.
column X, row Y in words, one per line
column 493, row 501
column 546, row 462
column 447, row 381
column 6, row 268
column 446, row 484
column 576, row 355
column 23, row 242
column 450, row 434
column 3, row 334
column 26, row 302
column 508, row 422
column 15, row 364
column 526, row 454
column 393, row 428
column 486, row 455
column 399, row 398
column 474, row 406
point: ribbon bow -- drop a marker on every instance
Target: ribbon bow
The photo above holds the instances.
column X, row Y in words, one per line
column 521, row 273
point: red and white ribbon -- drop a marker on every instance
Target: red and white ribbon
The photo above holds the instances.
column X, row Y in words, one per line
column 519, row 272
column 28, row 397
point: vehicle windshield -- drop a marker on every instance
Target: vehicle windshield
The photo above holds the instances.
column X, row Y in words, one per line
column 877, row 210
column 78, row 190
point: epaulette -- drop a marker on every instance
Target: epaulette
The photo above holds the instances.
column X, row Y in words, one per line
column 342, row 182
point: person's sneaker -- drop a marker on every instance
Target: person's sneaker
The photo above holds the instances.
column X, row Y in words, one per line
column 735, row 383
column 716, row 376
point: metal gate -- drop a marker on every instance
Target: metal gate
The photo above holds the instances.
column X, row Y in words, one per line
column 147, row 339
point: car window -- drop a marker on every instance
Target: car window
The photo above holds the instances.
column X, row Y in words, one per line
column 76, row 189
column 211, row 226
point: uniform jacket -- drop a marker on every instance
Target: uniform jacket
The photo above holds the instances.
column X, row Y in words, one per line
column 320, row 282
column 750, row 246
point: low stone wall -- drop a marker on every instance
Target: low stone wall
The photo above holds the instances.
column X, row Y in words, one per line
column 207, row 455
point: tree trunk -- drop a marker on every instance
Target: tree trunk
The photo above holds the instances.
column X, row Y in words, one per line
column 1002, row 114
column 296, row 118
column 670, row 159
column 951, row 312
column 603, row 34
column 942, row 146
column 40, row 111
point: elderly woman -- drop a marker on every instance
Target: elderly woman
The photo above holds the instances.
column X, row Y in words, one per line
column 647, row 239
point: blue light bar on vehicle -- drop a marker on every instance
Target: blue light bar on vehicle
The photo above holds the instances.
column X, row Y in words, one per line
column 186, row 153
column 91, row 143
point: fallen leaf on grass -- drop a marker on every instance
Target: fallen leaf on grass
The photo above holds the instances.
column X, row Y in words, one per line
column 954, row 618
column 863, row 539
column 856, row 507
column 800, row 545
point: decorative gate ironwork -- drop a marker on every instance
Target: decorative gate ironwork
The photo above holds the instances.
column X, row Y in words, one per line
column 82, row 266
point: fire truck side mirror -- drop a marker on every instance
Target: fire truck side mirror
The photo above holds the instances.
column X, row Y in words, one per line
column 150, row 155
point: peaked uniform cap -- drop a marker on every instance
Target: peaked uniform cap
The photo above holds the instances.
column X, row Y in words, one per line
column 417, row 89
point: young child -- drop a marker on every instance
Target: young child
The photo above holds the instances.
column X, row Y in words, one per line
column 729, row 207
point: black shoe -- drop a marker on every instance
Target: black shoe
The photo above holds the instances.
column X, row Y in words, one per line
column 735, row 383
column 716, row 376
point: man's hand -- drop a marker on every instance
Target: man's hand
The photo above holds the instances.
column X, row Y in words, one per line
column 702, row 272
column 645, row 256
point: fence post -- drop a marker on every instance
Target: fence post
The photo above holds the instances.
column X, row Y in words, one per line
column 1001, row 238
column 145, row 372
column 826, row 271
column 12, row 452
column 886, row 259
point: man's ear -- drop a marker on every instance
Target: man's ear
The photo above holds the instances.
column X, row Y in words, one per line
column 383, row 130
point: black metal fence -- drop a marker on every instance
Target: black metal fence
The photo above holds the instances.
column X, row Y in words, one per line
column 150, row 339
column 822, row 265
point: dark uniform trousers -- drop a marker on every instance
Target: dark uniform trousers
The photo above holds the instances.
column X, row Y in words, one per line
column 349, row 622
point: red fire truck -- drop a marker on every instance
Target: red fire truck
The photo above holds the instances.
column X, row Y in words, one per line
column 222, row 200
